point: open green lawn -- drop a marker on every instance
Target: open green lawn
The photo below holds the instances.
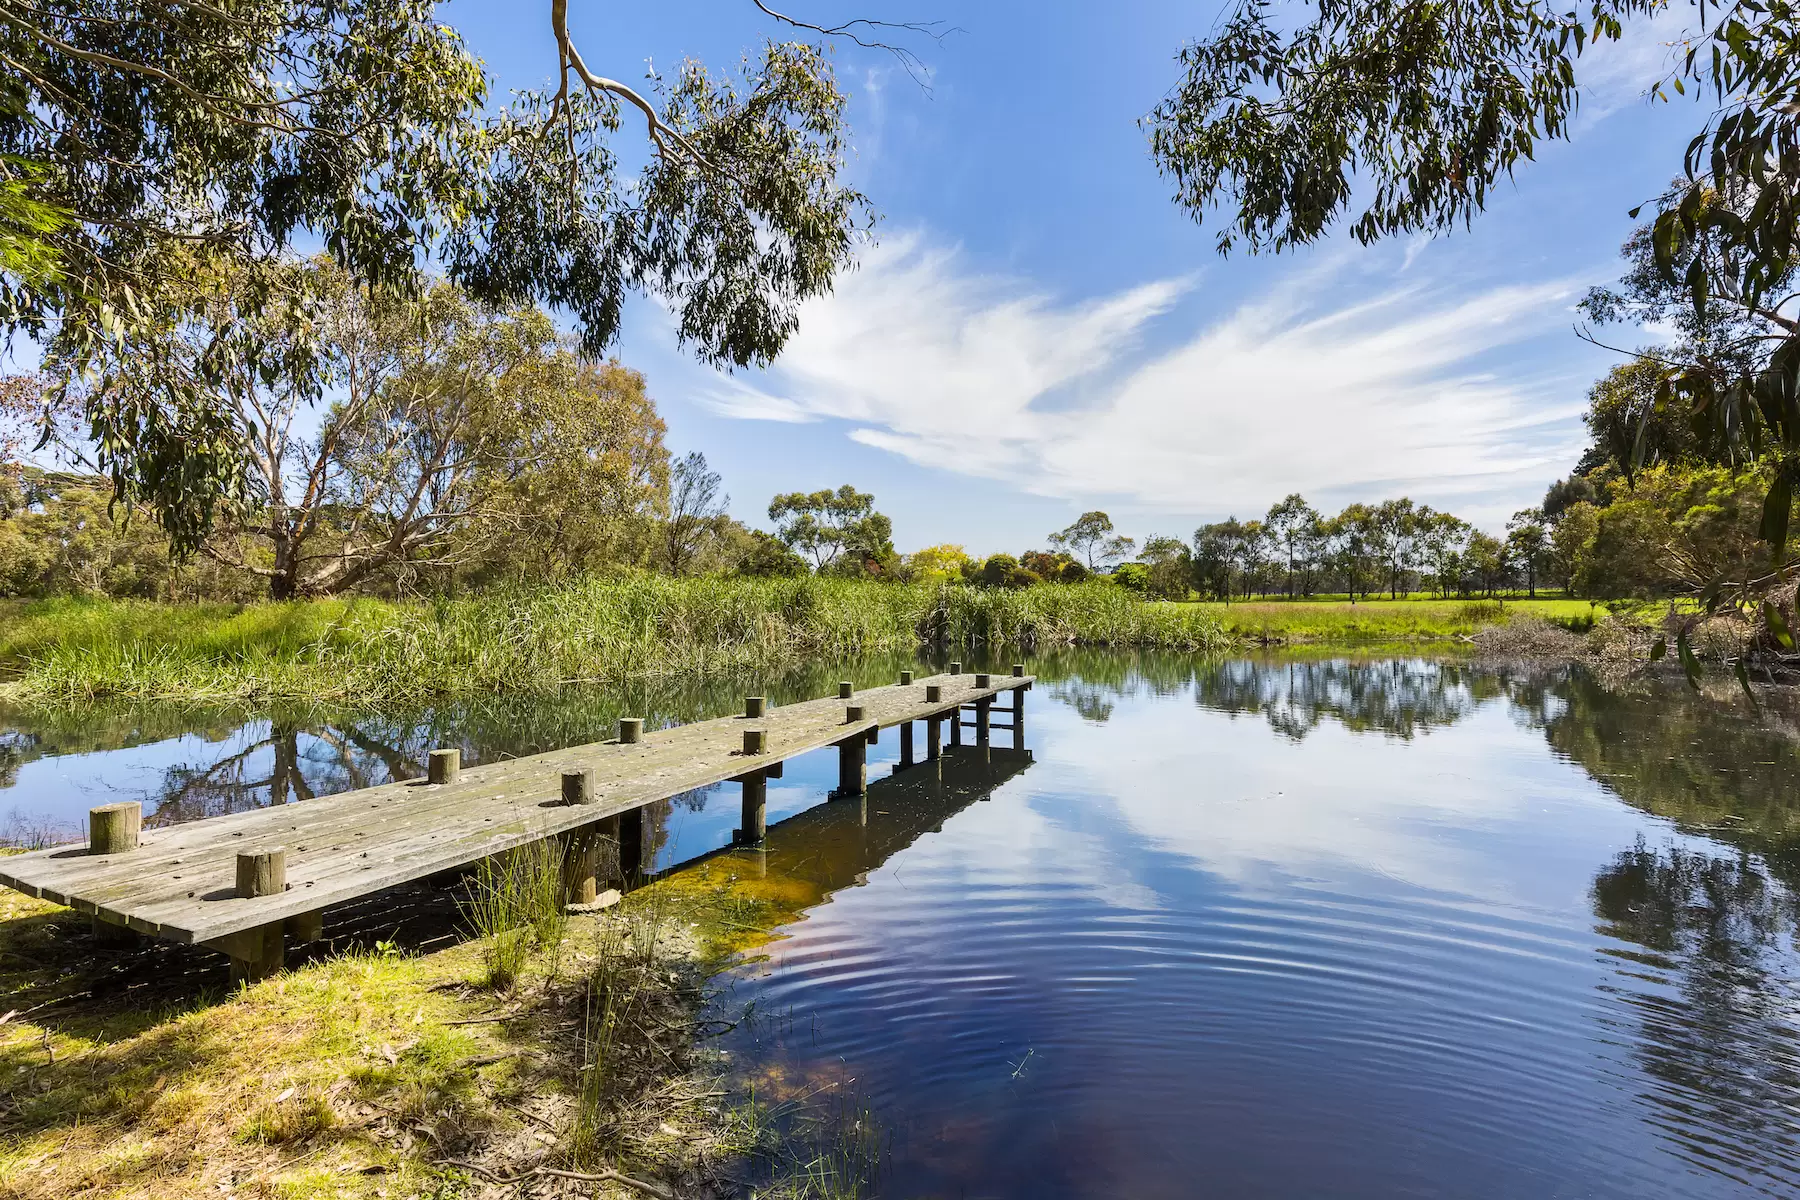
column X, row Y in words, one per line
column 1383, row 619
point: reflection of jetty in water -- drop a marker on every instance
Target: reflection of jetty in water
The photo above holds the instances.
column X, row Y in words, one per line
column 835, row 844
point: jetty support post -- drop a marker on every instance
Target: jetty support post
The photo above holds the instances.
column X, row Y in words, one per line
column 933, row 724
column 629, row 833
column 853, row 759
column 580, row 846
column 114, row 829
column 260, row 952
column 906, row 745
column 443, row 766
column 753, row 825
column 1018, row 715
column 983, row 708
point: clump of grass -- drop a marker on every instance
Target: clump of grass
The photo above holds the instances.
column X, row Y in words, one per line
column 811, row 1150
column 285, row 1122
column 1483, row 611
column 626, row 989
column 515, row 907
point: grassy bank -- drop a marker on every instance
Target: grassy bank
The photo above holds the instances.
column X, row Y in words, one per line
column 365, row 651
column 1281, row 622
column 393, row 1066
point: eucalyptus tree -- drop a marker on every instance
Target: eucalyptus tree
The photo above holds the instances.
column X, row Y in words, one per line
column 414, row 434
column 1529, row 542
column 829, row 525
column 1092, row 537
column 1358, row 542
column 1441, row 540
column 1289, row 524
column 1396, row 526
column 1401, row 118
column 148, row 146
column 697, row 505
column 1215, row 555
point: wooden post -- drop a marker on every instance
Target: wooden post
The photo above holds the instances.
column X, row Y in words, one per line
column 853, row 770
column 756, row 741
column 631, row 730
column 307, row 927
column 934, row 731
column 260, row 952
column 982, row 681
column 846, row 689
column 580, row 847
column 1018, row 721
column 906, row 744
column 109, row 934
column 114, row 828
column 578, row 787
column 934, row 693
column 981, row 719
column 257, row 953
column 581, row 864
column 261, row 873
column 633, row 836
column 956, row 668
column 443, row 766
column 956, row 726
column 753, row 825
column 754, row 705
column 1018, row 670
column 853, row 714
column 905, row 678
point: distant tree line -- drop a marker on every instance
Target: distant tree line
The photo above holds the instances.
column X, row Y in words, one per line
column 1392, row 548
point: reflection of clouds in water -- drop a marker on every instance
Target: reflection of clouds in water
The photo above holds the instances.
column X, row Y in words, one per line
column 1252, row 804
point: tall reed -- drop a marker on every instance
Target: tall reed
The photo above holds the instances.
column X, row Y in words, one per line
column 607, row 630
column 515, row 906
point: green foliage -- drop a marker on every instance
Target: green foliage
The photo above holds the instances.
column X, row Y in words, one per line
column 1428, row 107
column 1132, row 576
column 1091, row 537
column 945, row 563
column 166, row 148
column 840, row 527
column 1001, row 571
column 767, row 558
column 1674, row 532
column 1060, row 567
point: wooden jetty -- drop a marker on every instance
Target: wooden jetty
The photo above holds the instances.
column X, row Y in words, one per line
column 244, row 883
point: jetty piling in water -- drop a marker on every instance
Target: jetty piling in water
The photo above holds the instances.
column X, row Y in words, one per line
column 246, row 882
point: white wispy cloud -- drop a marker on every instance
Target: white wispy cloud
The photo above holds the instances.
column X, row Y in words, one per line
column 1306, row 388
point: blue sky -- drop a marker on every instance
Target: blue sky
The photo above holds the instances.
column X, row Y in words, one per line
column 1038, row 331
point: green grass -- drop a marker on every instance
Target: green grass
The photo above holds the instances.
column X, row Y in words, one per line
column 1300, row 621
column 367, row 651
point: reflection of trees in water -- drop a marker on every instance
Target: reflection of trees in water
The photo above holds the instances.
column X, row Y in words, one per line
column 1398, row 697
column 1710, row 767
column 1711, row 976
column 1721, row 1037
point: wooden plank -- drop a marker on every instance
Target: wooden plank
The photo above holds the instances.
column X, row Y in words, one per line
column 179, row 883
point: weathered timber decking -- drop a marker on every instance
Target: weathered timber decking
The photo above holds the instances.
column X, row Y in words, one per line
column 179, row 882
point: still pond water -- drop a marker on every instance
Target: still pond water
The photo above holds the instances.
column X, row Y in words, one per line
column 1284, row 928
